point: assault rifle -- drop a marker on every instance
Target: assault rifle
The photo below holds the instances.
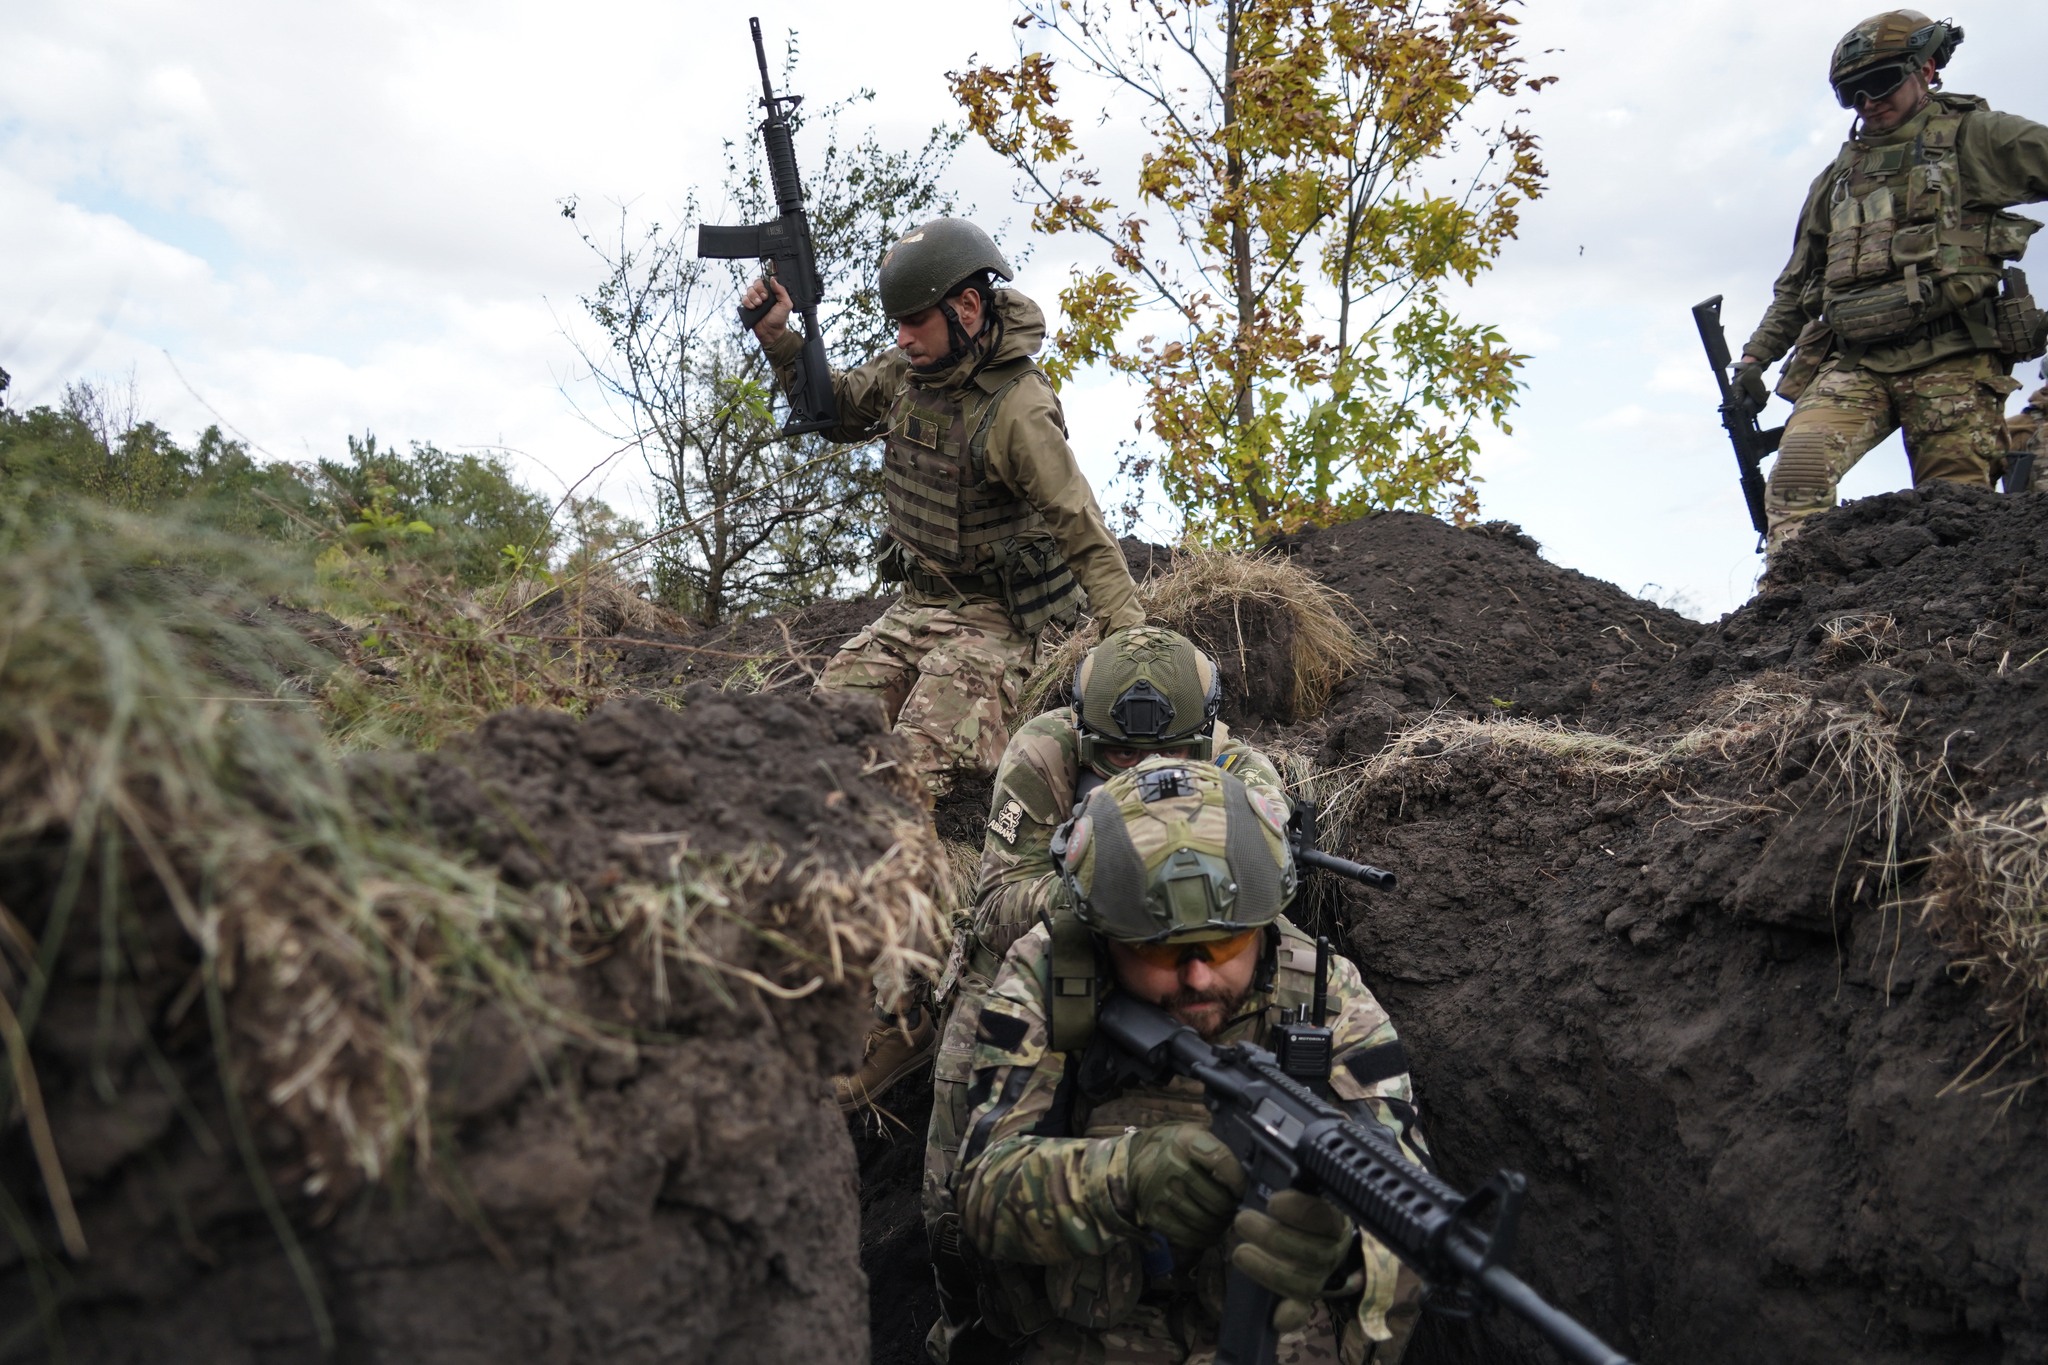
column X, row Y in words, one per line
column 1301, row 835
column 1740, row 405
column 1287, row 1138
column 783, row 246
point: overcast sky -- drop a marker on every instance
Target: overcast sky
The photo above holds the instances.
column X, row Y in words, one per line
column 309, row 221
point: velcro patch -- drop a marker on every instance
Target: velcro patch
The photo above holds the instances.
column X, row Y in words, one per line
column 921, row 429
column 1007, row 820
column 1002, row 1031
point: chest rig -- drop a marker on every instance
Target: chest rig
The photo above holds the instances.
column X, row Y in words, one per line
column 1904, row 257
column 964, row 531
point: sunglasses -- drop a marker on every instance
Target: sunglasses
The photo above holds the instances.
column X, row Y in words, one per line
column 1170, row 956
column 1872, row 85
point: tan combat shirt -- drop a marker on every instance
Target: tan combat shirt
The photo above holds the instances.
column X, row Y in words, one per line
column 2004, row 161
column 1027, row 448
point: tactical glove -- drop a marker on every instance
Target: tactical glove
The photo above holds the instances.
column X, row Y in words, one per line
column 1292, row 1248
column 1748, row 380
column 1185, row 1183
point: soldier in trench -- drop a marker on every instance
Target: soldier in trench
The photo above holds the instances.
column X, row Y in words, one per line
column 1897, row 303
column 1098, row 1214
column 993, row 531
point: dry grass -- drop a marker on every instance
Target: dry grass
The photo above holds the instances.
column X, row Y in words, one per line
column 1756, row 725
column 1332, row 640
column 165, row 779
column 1988, row 907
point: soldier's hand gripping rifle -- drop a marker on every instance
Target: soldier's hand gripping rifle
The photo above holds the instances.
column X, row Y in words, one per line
column 1742, row 400
column 783, row 246
column 1287, row 1138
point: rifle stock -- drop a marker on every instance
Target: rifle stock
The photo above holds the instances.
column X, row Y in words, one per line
column 783, row 246
column 1740, row 407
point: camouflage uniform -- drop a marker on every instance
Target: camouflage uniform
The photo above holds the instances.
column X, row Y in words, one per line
column 1043, row 1193
column 1036, row 787
column 2028, row 431
column 1889, row 295
column 946, row 659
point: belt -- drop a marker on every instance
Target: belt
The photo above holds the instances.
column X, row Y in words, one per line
column 963, row 584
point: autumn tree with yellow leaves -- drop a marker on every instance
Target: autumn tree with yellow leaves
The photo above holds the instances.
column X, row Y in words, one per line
column 1317, row 174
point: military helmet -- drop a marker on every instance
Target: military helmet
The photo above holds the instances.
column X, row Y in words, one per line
column 1176, row 851
column 1146, row 688
column 1894, row 43
column 928, row 262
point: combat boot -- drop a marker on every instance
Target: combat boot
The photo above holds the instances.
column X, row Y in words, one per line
column 894, row 1050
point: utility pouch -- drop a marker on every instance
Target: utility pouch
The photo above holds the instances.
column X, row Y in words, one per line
column 1816, row 342
column 2021, row 328
column 1038, row 588
column 892, row 562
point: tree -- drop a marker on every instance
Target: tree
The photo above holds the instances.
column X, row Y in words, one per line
column 754, row 521
column 1306, row 156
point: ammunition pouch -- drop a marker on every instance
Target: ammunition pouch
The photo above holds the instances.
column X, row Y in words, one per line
column 1903, row 309
column 1809, row 353
column 2020, row 328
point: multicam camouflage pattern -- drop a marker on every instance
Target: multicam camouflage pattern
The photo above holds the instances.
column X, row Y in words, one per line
column 949, row 677
column 1953, row 412
column 1055, row 1217
column 1034, row 793
column 1880, row 40
column 1175, row 849
column 2027, row 430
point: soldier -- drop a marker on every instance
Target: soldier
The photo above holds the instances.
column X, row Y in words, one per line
column 2027, row 434
column 1101, row 1213
column 1892, row 293
column 992, row 529
column 1141, row 693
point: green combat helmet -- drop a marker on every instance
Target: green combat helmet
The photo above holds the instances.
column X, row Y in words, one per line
column 1176, row 851
column 1884, row 49
column 1145, row 688
column 927, row 263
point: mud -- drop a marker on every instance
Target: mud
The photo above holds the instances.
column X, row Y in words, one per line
column 645, row 1170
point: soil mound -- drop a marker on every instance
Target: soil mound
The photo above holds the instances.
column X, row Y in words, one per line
column 623, row 1057
column 1673, row 965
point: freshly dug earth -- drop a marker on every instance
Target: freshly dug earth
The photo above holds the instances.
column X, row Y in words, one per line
column 1685, row 1001
column 1672, row 983
column 644, row 1167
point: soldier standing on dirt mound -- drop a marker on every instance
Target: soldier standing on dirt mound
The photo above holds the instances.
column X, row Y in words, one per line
column 993, row 530
column 1142, row 693
column 1892, row 293
column 1102, row 1213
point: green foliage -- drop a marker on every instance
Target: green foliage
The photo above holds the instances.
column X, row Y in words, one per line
column 460, row 516
column 456, row 513
column 1306, row 157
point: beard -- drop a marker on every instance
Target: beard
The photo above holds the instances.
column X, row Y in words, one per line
column 1206, row 1012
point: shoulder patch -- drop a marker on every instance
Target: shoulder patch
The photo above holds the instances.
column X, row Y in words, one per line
column 1007, row 820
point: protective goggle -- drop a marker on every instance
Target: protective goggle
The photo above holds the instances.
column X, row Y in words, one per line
column 1217, row 951
column 1873, row 85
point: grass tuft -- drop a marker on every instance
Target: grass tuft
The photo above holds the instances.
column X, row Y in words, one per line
column 1988, row 907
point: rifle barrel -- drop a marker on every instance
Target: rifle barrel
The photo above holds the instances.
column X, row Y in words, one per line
column 1377, row 878
column 761, row 59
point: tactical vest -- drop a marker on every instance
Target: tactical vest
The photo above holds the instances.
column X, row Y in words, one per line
column 1097, row 1292
column 964, row 531
column 1904, row 257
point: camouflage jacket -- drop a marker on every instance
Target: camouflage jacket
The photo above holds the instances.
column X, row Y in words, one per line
column 1044, row 1195
column 1027, row 447
column 2025, row 428
column 1036, row 786
column 2003, row 160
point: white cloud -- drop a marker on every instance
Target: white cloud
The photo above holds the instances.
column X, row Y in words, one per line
column 342, row 217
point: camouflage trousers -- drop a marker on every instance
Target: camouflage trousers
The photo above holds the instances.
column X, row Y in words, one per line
column 1952, row 412
column 949, row 677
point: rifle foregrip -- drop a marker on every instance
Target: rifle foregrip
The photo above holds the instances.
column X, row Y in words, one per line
column 1395, row 1200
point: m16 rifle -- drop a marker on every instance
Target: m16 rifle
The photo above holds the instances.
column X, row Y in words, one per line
column 783, row 246
column 1741, row 402
column 1301, row 836
column 1287, row 1138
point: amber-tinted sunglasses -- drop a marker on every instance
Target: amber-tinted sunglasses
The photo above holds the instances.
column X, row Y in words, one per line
column 1169, row 956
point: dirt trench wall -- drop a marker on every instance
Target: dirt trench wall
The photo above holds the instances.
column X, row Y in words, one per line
column 1685, row 1003
column 632, row 1167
